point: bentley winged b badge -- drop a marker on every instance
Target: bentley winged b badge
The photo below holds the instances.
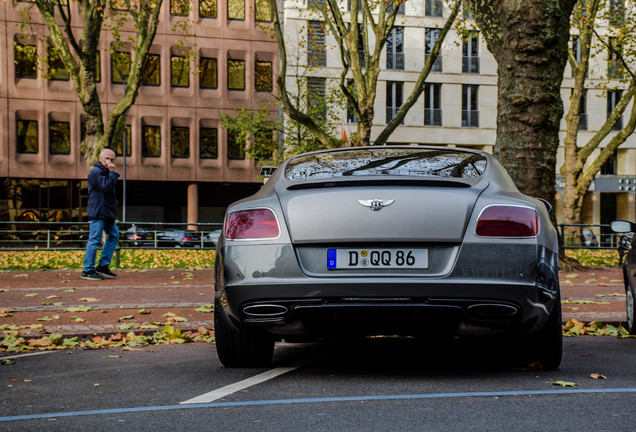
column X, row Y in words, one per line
column 376, row 204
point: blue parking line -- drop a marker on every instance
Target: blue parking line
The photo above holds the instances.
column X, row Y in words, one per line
column 317, row 400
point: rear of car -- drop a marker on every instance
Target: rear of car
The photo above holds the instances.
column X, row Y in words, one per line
column 385, row 241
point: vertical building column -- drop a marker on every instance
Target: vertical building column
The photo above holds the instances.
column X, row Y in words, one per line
column 193, row 206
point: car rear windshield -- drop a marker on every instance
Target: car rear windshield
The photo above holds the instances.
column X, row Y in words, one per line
column 386, row 162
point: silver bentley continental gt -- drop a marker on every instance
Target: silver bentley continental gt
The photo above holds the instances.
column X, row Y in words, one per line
column 387, row 241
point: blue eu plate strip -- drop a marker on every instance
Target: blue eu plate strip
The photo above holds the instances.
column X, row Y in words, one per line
column 331, row 258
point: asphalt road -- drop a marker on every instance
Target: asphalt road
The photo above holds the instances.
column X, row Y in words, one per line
column 376, row 386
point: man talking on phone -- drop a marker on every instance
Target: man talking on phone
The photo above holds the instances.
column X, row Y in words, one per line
column 102, row 208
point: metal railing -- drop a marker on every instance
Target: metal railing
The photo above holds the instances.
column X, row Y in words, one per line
column 590, row 236
column 73, row 235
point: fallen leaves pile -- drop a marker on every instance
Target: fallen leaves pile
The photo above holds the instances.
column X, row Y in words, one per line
column 128, row 258
column 12, row 341
column 576, row 328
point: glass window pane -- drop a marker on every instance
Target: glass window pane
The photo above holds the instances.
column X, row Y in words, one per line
column 27, row 136
column 180, row 142
column 208, row 143
column 235, row 146
column 209, row 73
column 261, row 10
column 179, row 7
column 264, row 76
column 60, row 137
column 26, row 57
column 120, row 65
column 236, row 9
column 179, row 71
column 207, row 8
column 151, row 141
column 236, row 74
column 119, row 146
column 151, row 71
column 57, row 70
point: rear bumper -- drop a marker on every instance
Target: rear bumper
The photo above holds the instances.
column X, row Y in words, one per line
column 364, row 308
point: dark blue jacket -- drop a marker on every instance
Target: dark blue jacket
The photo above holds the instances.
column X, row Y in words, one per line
column 101, row 193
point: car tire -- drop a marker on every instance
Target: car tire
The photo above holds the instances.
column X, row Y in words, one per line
column 240, row 349
column 630, row 298
column 546, row 346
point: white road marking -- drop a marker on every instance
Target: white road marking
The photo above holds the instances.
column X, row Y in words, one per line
column 17, row 356
column 249, row 382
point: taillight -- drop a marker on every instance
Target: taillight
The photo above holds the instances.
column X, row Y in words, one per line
column 251, row 224
column 508, row 221
column 136, row 237
column 187, row 239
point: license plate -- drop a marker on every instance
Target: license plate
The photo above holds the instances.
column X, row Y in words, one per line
column 377, row 259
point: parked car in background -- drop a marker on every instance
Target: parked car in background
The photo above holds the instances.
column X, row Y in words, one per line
column 589, row 238
column 211, row 239
column 136, row 236
column 626, row 251
column 409, row 241
column 178, row 239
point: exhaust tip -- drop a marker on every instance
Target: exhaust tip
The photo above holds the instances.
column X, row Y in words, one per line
column 265, row 310
column 490, row 310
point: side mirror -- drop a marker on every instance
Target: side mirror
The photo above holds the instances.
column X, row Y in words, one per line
column 622, row 226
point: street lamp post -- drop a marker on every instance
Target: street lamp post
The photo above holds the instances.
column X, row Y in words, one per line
column 124, row 154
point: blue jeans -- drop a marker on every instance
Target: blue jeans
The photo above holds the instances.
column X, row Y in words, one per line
column 98, row 226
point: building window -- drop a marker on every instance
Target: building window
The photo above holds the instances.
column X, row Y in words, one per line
column 393, row 98
column 613, row 98
column 617, row 12
column 470, row 52
column 59, row 137
column 470, row 112
column 120, row 66
column 208, row 143
column 179, row 7
column 57, row 70
column 207, row 8
column 236, row 74
column 433, row 105
column 235, row 145
column 151, row 70
column 208, row 77
column 151, row 141
column 576, row 51
column 264, row 76
column 316, row 91
column 26, row 60
column 434, row 8
column 614, row 65
column 431, row 36
column 179, row 71
column 236, row 9
column 395, row 49
column 119, row 147
column 583, row 111
column 316, row 51
column 610, row 165
column 261, row 11
column 180, row 142
column 27, row 136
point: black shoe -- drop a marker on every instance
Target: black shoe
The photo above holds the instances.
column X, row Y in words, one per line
column 105, row 272
column 91, row 275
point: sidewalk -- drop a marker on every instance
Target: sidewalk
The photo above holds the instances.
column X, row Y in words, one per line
column 62, row 302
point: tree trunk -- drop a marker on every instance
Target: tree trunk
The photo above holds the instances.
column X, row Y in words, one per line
column 531, row 62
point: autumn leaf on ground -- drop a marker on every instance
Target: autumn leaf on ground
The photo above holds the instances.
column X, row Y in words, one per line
column 597, row 376
column 113, row 356
column 70, row 290
column 572, row 275
column 603, row 284
column 144, row 312
column 2, row 290
column 21, row 275
column 89, row 299
column 205, row 308
column 590, row 281
column 32, row 295
column 53, row 297
column 127, row 317
column 562, row 383
column 79, row 309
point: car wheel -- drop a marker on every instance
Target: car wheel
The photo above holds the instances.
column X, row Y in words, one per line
column 631, row 307
column 546, row 346
column 240, row 349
